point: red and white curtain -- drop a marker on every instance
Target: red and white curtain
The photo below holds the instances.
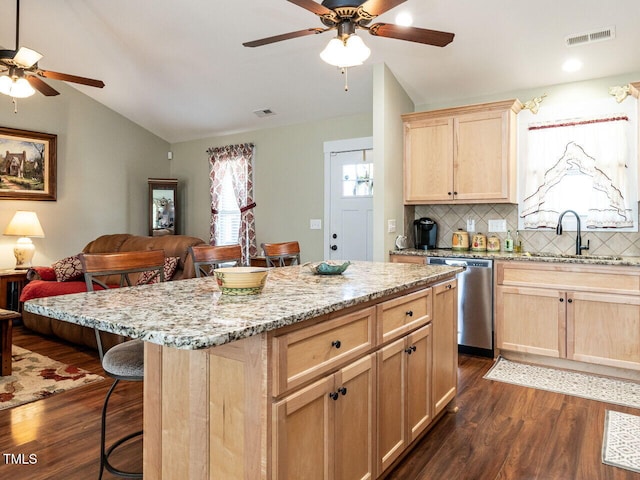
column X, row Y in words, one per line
column 239, row 159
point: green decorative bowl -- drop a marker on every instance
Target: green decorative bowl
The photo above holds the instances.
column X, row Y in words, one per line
column 328, row 268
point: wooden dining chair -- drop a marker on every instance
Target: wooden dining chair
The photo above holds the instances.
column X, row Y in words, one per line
column 281, row 254
column 206, row 258
column 124, row 361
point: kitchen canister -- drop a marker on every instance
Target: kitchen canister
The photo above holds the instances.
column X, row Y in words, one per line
column 493, row 244
column 479, row 242
column 460, row 240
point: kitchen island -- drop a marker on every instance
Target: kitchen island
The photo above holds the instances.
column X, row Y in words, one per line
column 296, row 382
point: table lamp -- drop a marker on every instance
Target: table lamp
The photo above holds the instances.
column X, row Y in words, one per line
column 24, row 225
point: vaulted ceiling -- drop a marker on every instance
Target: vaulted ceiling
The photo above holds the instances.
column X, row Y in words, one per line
column 178, row 68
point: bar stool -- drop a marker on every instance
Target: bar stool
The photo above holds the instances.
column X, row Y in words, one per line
column 124, row 361
column 281, row 254
column 208, row 257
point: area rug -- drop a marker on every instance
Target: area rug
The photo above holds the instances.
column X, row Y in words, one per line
column 35, row 377
column 621, row 442
column 619, row 392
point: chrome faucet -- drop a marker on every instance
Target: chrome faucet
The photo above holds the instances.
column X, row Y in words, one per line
column 579, row 246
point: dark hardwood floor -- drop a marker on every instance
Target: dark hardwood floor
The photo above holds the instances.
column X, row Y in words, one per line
column 501, row 431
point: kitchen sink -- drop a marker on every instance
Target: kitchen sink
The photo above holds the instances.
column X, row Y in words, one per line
column 563, row 255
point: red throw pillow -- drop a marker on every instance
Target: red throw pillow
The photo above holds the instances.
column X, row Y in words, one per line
column 68, row 269
column 170, row 265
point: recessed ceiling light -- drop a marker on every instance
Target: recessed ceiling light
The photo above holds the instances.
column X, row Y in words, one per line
column 572, row 65
column 404, row 19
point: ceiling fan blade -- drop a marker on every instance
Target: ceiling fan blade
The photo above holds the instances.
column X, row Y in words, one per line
column 412, row 34
column 378, row 7
column 42, row 87
column 26, row 57
column 71, row 78
column 284, row 36
column 314, row 7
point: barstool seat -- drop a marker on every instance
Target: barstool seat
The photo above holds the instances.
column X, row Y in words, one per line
column 125, row 361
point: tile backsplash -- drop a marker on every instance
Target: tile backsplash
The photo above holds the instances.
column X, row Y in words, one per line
column 452, row 217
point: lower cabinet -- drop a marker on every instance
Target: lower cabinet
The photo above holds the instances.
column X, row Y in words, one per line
column 325, row 430
column 585, row 313
column 445, row 344
column 404, row 393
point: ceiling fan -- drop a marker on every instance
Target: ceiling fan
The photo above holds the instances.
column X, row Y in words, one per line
column 346, row 16
column 20, row 75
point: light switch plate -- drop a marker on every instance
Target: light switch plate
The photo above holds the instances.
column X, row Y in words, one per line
column 315, row 224
column 391, row 226
column 471, row 225
column 499, row 225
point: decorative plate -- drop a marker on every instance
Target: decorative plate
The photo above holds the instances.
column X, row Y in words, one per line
column 328, row 268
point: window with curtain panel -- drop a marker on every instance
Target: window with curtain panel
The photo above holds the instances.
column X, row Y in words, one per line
column 232, row 204
column 582, row 158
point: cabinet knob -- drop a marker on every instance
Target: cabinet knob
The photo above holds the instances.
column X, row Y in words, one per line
column 342, row 391
column 570, row 300
column 449, row 287
column 336, row 343
column 561, row 300
column 333, row 395
column 455, row 193
column 410, row 349
column 448, row 193
column 409, row 313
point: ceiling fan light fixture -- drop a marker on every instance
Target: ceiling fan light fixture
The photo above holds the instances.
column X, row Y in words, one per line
column 16, row 87
column 348, row 53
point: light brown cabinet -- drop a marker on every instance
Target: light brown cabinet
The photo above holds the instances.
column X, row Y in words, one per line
column 461, row 155
column 404, row 393
column 325, row 431
column 445, row 344
column 588, row 313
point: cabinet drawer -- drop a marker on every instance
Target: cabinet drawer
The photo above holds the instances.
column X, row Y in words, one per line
column 309, row 352
column 401, row 315
column 596, row 278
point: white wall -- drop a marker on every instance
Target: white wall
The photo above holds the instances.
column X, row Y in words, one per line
column 103, row 160
column 288, row 175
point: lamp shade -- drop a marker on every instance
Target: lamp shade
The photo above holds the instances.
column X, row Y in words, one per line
column 16, row 87
column 24, row 224
column 347, row 53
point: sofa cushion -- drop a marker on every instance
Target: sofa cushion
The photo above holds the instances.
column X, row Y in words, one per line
column 68, row 269
column 170, row 264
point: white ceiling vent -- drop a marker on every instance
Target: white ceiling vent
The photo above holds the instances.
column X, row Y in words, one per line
column 265, row 112
column 599, row 35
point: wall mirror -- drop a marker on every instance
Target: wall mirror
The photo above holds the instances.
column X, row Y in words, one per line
column 163, row 209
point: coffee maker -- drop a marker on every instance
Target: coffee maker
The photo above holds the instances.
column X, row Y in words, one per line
column 425, row 233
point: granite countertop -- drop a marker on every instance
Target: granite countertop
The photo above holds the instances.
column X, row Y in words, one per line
column 524, row 257
column 193, row 314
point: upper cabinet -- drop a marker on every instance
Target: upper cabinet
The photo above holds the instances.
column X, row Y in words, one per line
column 461, row 155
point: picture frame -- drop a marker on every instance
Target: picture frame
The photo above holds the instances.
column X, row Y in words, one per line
column 27, row 165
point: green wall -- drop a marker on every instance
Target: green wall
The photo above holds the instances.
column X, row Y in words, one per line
column 103, row 160
column 288, row 175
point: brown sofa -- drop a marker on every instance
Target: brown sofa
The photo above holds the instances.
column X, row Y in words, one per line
column 173, row 246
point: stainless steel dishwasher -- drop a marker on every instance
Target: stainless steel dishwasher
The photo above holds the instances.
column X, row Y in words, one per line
column 475, row 303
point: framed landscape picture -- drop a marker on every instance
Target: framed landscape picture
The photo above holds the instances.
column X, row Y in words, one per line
column 27, row 165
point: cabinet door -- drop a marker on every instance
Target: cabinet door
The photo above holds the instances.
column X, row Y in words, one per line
column 418, row 357
column 354, row 416
column 428, row 160
column 481, row 156
column 392, row 388
column 445, row 344
column 302, row 435
column 604, row 329
column 531, row 320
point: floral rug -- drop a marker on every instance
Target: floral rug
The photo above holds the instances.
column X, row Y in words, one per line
column 621, row 442
column 35, row 377
column 602, row 389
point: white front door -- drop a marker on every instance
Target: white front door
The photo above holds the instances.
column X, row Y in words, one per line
column 351, row 205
